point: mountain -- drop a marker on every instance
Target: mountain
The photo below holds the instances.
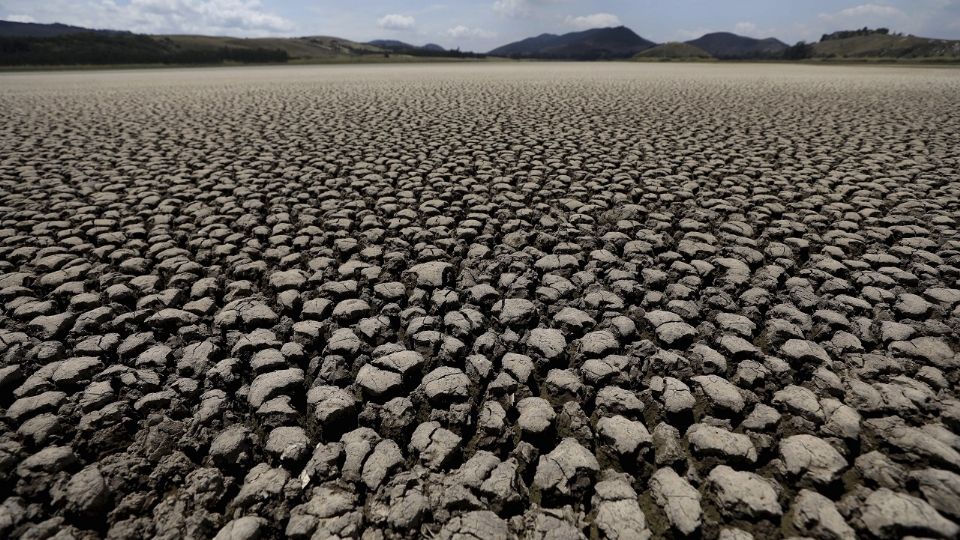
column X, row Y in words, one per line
column 25, row 44
column 33, row 44
column 876, row 44
column 99, row 48
column 594, row 44
column 14, row 29
column 726, row 45
column 391, row 44
column 400, row 46
column 104, row 48
column 298, row 48
column 673, row 51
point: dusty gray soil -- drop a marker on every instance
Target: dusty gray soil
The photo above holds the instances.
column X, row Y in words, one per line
column 485, row 301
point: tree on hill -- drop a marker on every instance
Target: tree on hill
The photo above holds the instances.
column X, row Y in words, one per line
column 104, row 48
column 843, row 34
column 799, row 51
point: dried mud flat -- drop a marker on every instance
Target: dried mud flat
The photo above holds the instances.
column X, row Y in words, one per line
column 485, row 301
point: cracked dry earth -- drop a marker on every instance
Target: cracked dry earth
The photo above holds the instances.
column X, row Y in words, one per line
column 480, row 301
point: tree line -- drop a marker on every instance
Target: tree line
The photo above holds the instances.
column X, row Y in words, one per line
column 802, row 49
column 95, row 48
column 433, row 53
column 843, row 34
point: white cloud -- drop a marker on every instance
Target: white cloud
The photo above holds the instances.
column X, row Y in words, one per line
column 745, row 28
column 864, row 12
column 510, row 8
column 19, row 18
column 595, row 20
column 520, row 8
column 686, row 34
column 216, row 17
column 396, row 22
column 460, row 31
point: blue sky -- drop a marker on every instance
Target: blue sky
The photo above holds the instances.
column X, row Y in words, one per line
column 484, row 24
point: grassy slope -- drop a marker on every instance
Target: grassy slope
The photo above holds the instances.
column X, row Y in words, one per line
column 305, row 48
column 311, row 49
column 323, row 49
column 886, row 46
column 674, row 51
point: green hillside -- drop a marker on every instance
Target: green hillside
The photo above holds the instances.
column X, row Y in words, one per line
column 593, row 44
column 93, row 48
column 886, row 46
column 673, row 51
column 300, row 48
column 122, row 48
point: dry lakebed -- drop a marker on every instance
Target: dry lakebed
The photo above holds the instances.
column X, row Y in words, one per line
column 480, row 301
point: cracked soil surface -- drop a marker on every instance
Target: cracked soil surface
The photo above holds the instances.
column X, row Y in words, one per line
column 480, row 301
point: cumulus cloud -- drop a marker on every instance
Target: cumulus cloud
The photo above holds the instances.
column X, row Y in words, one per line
column 510, row 8
column 460, row 31
column 745, row 27
column 864, row 12
column 395, row 21
column 13, row 17
column 520, row 8
column 686, row 34
column 218, row 17
column 204, row 15
column 594, row 20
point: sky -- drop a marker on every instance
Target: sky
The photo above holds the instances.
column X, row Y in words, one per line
column 480, row 25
